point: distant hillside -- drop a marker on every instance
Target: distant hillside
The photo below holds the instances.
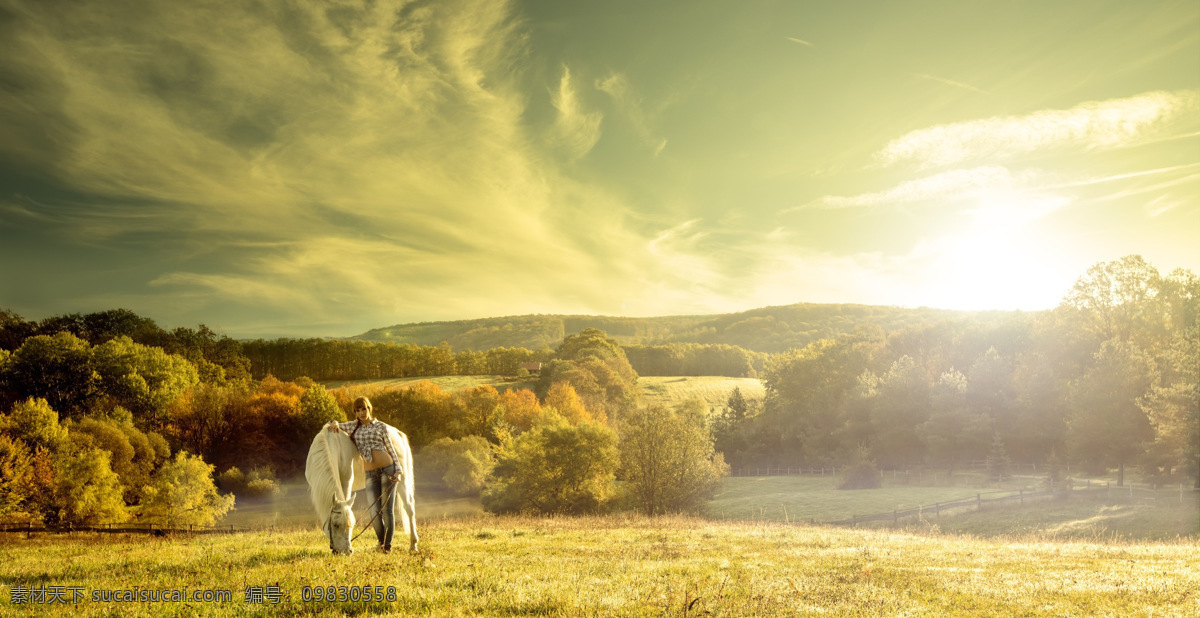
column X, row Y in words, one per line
column 769, row 329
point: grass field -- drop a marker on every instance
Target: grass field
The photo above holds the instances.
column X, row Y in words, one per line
column 617, row 566
column 447, row 383
column 814, row 498
column 714, row 390
column 666, row 391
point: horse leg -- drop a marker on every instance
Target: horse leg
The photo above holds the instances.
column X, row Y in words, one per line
column 410, row 516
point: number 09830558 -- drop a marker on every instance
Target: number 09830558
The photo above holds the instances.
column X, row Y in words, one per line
column 347, row 594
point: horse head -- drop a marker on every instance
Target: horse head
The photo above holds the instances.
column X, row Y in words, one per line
column 339, row 527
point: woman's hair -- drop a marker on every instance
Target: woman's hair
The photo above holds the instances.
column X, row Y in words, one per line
column 363, row 402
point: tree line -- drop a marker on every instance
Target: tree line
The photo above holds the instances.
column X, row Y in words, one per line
column 120, row 430
column 1107, row 380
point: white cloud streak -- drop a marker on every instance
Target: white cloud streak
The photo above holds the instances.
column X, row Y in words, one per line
column 1092, row 125
column 950, row 82
column 945, row 185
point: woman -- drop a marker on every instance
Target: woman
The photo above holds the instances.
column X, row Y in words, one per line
column 369, row 435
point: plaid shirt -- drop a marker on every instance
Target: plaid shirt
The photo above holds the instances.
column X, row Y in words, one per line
column 370, row 436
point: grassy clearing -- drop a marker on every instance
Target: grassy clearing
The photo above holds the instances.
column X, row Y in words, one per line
column 446, row 383
column 814, row 498
column 1080, row 519
column 714, row 390
column 666, row 391
column 623, row 566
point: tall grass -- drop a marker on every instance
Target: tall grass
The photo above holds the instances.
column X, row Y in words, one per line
column 624, row 566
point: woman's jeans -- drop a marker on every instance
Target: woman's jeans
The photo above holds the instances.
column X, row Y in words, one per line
column 379, row 481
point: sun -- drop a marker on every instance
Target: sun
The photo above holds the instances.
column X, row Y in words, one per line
column 1001, row 258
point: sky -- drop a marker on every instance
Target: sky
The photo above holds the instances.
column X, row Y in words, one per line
column 314, row 168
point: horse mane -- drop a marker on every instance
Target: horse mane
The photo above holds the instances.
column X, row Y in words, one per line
column 329, row 450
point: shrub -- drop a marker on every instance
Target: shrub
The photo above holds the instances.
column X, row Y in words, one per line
column 463, row 465
column 860, row 472
column 668, row 460
column 183, row 493
column 556, row 467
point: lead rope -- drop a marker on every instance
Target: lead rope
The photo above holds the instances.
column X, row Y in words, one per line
column 377, row 513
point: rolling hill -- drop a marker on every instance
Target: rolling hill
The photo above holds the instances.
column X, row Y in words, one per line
column 768, row 329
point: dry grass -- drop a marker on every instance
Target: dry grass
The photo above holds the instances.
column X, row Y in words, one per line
column 628, row 566
column 714, row 390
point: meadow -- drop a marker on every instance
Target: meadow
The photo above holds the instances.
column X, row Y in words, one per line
column 1068, row 559
column 629, row 566
column 655, row 390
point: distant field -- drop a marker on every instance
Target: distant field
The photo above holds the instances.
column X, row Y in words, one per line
column 446, row 383
column 626, row 566
column 666, row 391
column 814, row 498
column 714, row 390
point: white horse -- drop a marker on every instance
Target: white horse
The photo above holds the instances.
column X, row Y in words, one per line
column 407, row 511
column 334, row 472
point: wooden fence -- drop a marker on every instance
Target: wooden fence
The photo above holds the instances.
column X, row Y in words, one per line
column 1070, row 488
column 135, row 528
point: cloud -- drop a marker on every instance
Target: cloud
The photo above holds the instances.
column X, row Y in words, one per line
column 800, row 41
column 951, row 184
column 950, row 82
column 576, row 129
column 633, row 109
column 1092, row 125
column 355, row 166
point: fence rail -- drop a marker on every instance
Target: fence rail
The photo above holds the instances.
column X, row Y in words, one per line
column 157, row 529
column 1071, row 487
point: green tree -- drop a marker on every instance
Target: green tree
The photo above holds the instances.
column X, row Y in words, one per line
column 954, row 431
column 668, row 459
column 35, row 423
column 145, row 380
column 16, row 474
column 1106, row 425
column 1173, row 409
column 556, row 467
column 182, row 493
column 86, row 490
column 317, row 408
column 998, row 462
column 56, row 368
column 463, row 465
column 596, row 367
column 902, row 403
column 1121, row 300
column 133, row 458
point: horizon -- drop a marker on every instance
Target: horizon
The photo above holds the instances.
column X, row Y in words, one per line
column 301, row 170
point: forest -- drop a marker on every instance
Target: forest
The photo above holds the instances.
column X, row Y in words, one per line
column 106, row 415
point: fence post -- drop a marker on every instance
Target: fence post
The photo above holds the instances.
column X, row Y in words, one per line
column 1021, row 492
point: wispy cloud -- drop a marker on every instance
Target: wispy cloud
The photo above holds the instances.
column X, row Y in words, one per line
column 800, row 41
column 616, row 85
column 1092, row 125
column 369, row 164
column 577, row 129
column 950, row 82
column 950, row 184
